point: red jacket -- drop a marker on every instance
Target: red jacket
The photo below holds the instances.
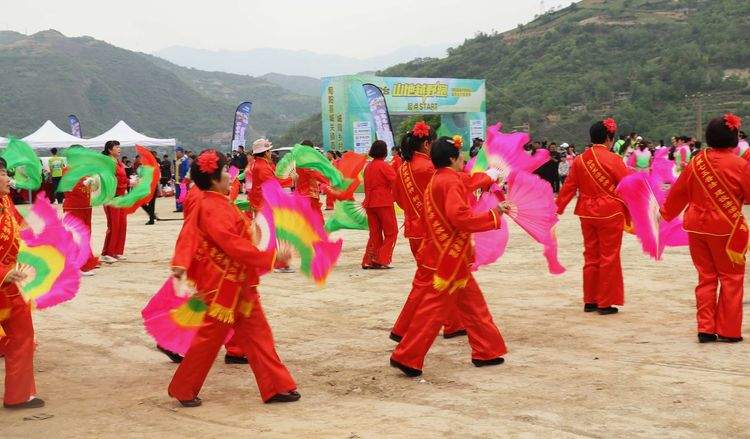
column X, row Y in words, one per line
column 308, row 183
column 702, row 215
column 593, row 201
column 122, row 179
column 417, row 172
column 10, row 225
column 263, row 170
column 78, row 198
column 396, row 162
column 379, row 177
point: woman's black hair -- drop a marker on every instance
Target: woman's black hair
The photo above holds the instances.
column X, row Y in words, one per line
column 109, row 145
column 378, row 150
column 442, row 151
column 743, row 135
column 4, row 165
column 202, row 179
column 719, row 135
column 307, row 143
column 599, row 134
column 411, row 143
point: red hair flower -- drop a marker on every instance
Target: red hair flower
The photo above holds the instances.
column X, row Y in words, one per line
column 458, row 141
column 208, row 161
column 421, row 129
column 732, row 121
column 610, row 125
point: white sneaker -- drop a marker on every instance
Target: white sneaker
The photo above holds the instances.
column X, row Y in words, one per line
column 87, row 273
column 121, row 258
column 284, row 270
column 108, row 259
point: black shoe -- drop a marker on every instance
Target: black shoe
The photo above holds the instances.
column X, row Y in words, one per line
column 367, row 267
column 408, row 371
column 33, row 403
column 177, row 211
column 195, row 402
column 380, row 267
column 493, row 362
column 729, row 339
column 589, row 307
column 395, row 337
column 458, row 333
column 285, row 397
column 705, row 337
column 231, row 359
column 150, row 222
column 174, row 356
column 607, row 311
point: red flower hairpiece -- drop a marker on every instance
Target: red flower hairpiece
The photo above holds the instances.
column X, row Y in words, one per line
column 610, row 125
column 732, row 121
column 421, row 129
column 208, row 161
column 458, row 141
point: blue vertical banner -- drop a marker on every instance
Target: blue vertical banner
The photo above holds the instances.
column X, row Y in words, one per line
column 380, row 116
column 241, row 118
column 75, row 126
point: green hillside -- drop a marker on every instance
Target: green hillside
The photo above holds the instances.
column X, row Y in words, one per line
column 48, row 76
column 656, row 65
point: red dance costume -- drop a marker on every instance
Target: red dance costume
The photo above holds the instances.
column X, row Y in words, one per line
column 594, row 175
column 263, row 171
column 16, row 328
column 77, row 202
column 412, row 180
column 713, row 187
column 117, row 219
column 308, row 185
column 381, row 216
column 216, row 247
column 448, row 253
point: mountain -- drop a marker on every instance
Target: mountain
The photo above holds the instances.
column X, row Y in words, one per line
column 48, row 76
column 258, row 62
column 303, row 85
column 657, row 66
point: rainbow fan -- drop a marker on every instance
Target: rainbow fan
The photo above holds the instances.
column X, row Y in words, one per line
column 295, row 223
column 149, row 174
column 489, row 246
column 302, row 156
column 531, row 205
column 644, row 197
column 48, row 254
column 172, row 318
column 505, row 151
column 21, row 160
column 82, row 163
column 348, row 215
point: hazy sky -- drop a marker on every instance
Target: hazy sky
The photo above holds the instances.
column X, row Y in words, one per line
column 355, row 28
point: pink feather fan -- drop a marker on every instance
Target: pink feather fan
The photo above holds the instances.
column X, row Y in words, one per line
column 489, row 246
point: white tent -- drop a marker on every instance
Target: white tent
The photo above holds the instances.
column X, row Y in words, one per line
column 3, row 141
column 127, row 137
column 50, row 136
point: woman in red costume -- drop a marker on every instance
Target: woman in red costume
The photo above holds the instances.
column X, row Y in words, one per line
column 411, row 181
column 594, row 176
column 216, row 251
column 117, row 219
column 378, row 204
column 16, row 328
column 448, row 253
column 713, row 187
column 77, row 202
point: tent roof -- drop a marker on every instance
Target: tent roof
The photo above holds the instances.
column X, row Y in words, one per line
column 127, row 137
column 50, row 136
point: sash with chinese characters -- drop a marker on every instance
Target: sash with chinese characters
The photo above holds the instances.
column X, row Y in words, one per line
column 452, row 271
column 8, row 255
column 605, row 182
column 413, row 191
column 730, row 207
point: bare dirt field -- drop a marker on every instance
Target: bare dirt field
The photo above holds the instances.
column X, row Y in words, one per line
column 567, row 374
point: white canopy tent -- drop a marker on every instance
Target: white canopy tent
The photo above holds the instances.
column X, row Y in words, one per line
column 127, row 137
column 50, row 136
column 3, row 141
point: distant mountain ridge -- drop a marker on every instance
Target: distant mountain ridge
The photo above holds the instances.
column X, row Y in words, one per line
column 258, row 62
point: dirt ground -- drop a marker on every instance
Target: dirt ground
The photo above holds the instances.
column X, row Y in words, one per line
column 568, row 374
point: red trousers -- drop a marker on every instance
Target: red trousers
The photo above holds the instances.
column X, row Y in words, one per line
column 720, row 314
column 85, row 216
column 383, row 235
column 602, row 272
column 253, row 335
column 484, row 337
column 117, row 227
column 18, row 348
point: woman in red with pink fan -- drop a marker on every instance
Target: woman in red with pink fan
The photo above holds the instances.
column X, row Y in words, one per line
column 713, row 187
column 218, row 254
column 594, row 175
